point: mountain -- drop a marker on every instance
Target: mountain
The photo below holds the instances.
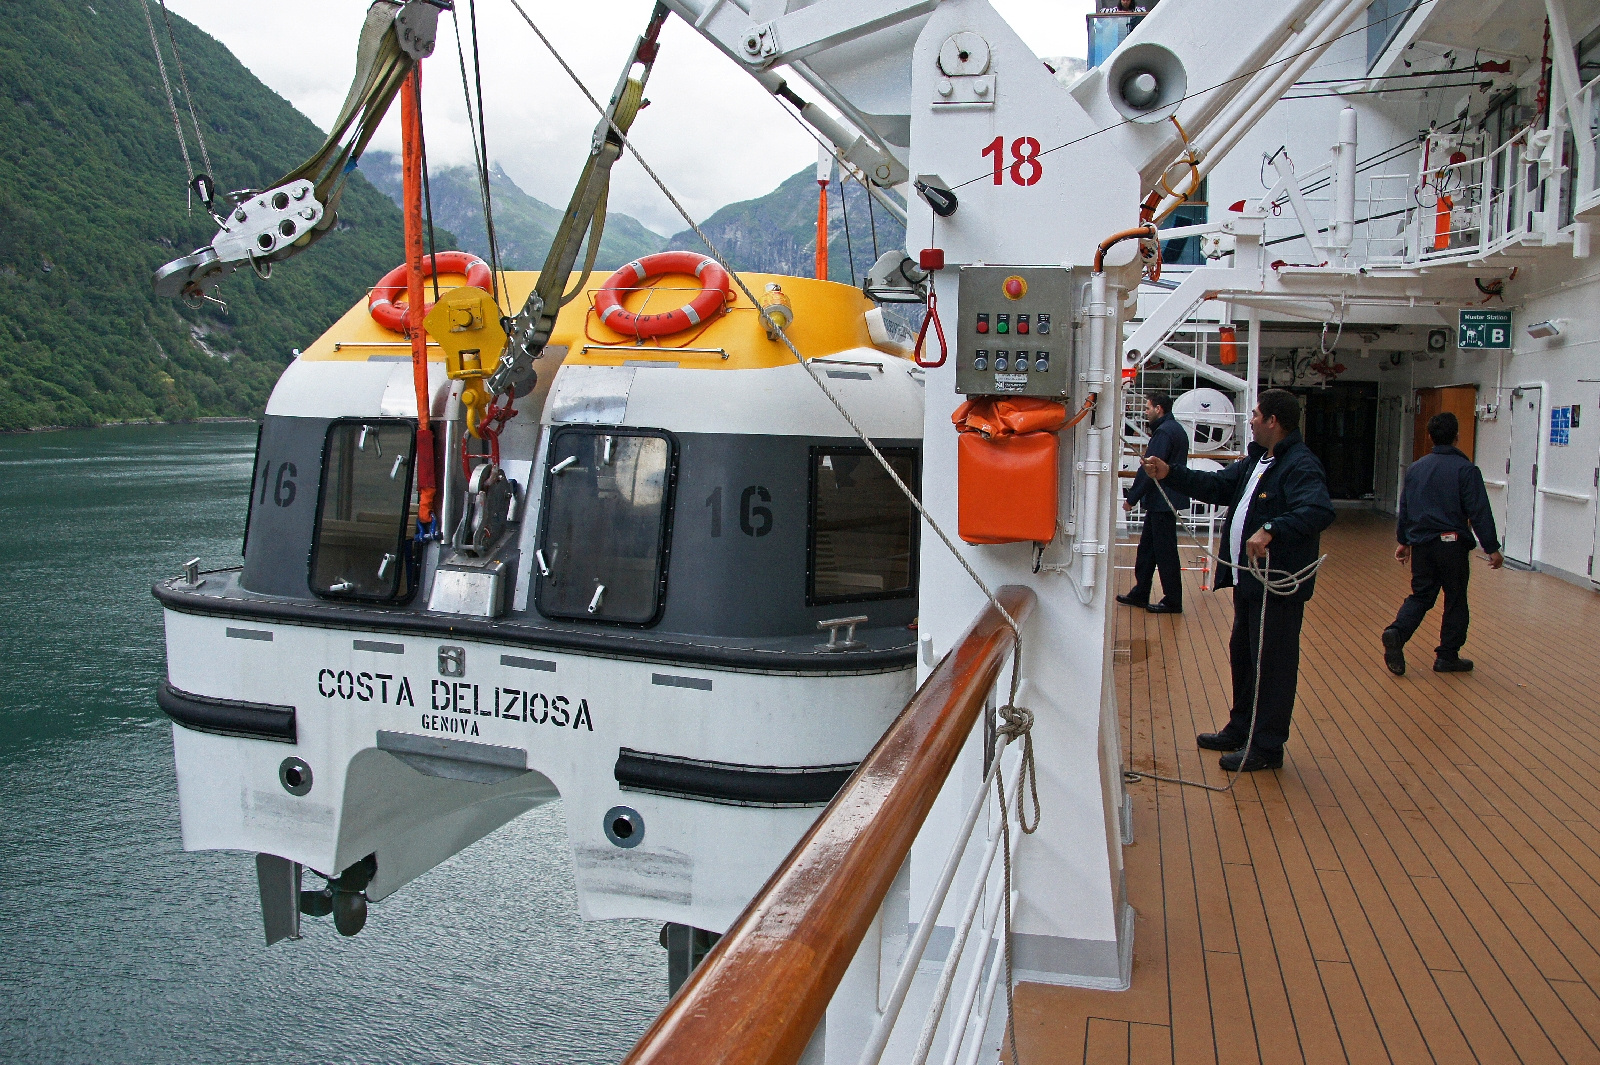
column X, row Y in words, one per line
column 777, row 233
column 92, row 200
column 523, row 226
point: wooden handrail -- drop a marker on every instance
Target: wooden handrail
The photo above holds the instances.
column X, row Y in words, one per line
column 758, row 996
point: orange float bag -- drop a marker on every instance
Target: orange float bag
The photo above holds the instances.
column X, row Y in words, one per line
column 1007, row 481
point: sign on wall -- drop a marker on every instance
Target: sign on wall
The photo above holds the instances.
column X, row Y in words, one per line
column 1483, row 329
column 1562, row 421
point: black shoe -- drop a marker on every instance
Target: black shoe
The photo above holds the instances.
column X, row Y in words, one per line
column 1219, row 741
column 1394, row 652
column 1163, row 607
column 1238, row 763
column 1452, row 664
column 1130, row 600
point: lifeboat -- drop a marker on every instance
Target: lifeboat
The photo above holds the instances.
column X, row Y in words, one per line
column 683, row 601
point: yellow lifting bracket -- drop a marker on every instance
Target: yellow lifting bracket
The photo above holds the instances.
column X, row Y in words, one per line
column 465, row 323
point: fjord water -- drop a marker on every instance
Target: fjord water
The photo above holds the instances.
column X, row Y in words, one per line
column 115, row 945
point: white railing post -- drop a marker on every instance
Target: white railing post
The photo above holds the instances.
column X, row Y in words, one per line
column 979, row 924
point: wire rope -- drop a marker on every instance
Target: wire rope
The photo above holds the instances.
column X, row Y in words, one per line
column 188, row 97
column 1364, row 28
column 844, row 211
column 483, row 143
column 812, row 372
column 427, row 189
column 172, row 107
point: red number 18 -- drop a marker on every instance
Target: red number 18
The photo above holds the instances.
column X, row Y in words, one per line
column 1025, row 167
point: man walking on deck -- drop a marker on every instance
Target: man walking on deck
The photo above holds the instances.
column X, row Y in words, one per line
column 1442, row 504
column 1158, row 540
column 1278, row 505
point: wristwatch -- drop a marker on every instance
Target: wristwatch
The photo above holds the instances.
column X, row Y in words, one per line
column 1266, row 527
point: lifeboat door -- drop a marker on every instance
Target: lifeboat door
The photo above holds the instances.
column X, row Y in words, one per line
column 1522, row 473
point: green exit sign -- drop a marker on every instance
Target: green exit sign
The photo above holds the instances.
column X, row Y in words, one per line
column 1484, row 329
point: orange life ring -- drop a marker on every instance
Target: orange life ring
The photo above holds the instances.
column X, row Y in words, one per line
column 389, row 314
column 709, row 302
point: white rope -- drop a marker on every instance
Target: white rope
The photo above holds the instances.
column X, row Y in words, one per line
column 1015, row 722
column 1273, row 582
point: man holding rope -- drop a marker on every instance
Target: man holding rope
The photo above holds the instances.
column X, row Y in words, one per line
column 1278, row 505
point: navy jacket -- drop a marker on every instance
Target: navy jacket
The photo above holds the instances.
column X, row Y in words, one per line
column 1444, row 493
column 1292, row 494
column 1169, row 442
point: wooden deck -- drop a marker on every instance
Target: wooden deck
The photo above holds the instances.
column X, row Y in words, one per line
column 1421, row 880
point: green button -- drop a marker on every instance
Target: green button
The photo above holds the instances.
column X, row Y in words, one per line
column 1003, row 327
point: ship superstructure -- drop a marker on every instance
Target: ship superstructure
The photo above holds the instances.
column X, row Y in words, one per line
column 773, row 559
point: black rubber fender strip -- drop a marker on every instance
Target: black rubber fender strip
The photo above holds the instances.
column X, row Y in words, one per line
column 227, row 717
column 729, row 783
column 630, row 646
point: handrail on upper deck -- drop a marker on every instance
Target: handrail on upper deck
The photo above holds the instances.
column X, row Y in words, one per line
column 758, row 996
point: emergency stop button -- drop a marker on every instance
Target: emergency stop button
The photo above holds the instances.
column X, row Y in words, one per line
column 1015, row 287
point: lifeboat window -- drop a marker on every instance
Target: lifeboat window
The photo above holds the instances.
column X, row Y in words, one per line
column 863, row 530
column 364, row 512
column 603, row 548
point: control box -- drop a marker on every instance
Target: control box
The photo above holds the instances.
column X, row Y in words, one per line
column 1015, row 337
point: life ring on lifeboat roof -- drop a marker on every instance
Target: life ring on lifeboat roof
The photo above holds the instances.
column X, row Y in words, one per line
column 389, row 314
column 710, row 301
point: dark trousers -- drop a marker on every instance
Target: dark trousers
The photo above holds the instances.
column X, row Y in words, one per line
column 1280, row 668
column 1158, row 549
column 1437, row 566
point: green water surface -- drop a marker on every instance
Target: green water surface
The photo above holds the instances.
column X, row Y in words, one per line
column 115, row 945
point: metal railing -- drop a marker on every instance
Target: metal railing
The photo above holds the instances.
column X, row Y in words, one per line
column 1476, row 207
column 760, row 994
column 980, row 912
column 1386, row 230
column 1587, row 122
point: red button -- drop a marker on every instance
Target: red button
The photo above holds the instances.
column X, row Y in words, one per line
column 983, row 325
column 1015, row 287
column 1022, row 325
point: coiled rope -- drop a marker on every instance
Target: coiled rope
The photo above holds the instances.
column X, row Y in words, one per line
column 1273, row 582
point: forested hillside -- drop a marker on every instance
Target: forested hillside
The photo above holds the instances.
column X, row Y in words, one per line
column 523, row 225
column 777, row 233
column 92, row 200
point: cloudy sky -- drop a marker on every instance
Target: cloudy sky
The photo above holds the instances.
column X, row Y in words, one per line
column 710, row 131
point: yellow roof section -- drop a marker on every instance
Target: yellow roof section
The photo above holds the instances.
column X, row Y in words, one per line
column 828, row 318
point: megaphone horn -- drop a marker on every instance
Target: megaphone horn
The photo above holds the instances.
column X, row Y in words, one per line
column 1146, row 83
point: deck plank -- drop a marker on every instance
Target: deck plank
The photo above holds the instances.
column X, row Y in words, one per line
column 1419, row 883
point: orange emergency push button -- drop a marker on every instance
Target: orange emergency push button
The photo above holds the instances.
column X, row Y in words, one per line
column 1014, row 287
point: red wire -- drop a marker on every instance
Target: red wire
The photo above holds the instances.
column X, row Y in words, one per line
column 922, row 334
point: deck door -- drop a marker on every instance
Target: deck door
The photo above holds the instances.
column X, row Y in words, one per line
column 1522, row 472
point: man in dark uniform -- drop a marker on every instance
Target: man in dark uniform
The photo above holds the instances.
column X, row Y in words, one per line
column 1158, row 541
column 1441, row 505
column 1278, row 505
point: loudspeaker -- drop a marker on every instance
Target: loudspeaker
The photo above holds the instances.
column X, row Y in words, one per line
column 1146, row 83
